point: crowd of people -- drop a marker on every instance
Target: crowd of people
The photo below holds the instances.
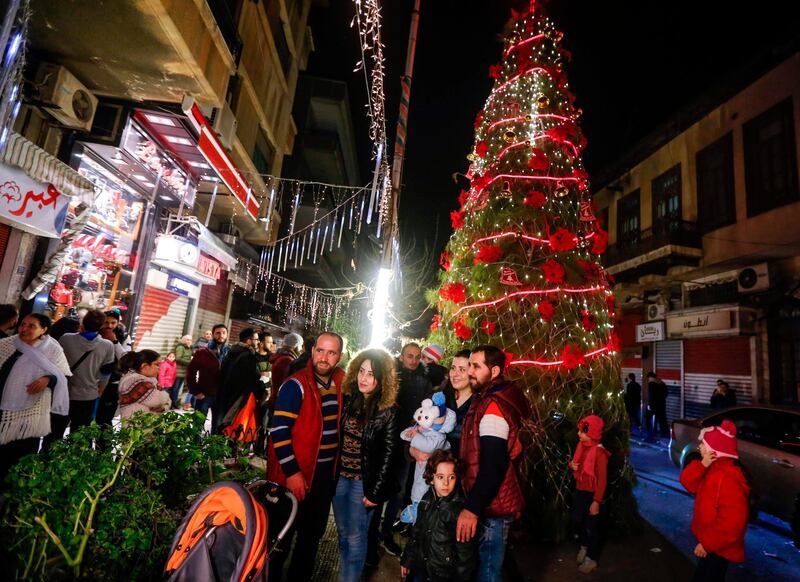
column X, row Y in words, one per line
column 392, row 445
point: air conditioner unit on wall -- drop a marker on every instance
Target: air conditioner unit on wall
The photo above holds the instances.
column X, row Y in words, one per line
column 753, row 279
column 656, row 311
column 224, row 123
column 65, row 97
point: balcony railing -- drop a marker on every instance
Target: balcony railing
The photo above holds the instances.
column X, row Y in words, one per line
column 226, row 22
column 662, row 234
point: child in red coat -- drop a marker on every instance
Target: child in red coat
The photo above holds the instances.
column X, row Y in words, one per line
column 721, row 502
column 589, row 465
column 167, row 372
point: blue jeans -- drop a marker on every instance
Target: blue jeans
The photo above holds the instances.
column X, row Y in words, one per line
column 492, row 548
column 175, row 391
column 204, row 405
column 352, row 525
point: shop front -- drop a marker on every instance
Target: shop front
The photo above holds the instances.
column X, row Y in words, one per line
column 716, row 342
column 36, row 192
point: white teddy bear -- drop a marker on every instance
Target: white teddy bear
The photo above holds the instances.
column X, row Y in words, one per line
column 434, row 421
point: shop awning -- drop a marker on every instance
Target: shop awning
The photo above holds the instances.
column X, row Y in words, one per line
column 220, row 160
column 43, row 167
column 211, row 244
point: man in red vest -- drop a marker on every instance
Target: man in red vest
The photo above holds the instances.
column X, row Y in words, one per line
column 303, row 450
column 489, row 446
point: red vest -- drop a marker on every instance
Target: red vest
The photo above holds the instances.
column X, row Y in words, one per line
column 515, row 408
column 307, row 429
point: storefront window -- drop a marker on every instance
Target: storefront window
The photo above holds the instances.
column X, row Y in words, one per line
column 97, row 270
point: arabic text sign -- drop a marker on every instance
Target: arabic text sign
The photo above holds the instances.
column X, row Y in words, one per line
column 700, row 323
column 650, row 332
column 30, row 205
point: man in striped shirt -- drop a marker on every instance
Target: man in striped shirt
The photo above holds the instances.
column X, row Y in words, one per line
column 304, row 448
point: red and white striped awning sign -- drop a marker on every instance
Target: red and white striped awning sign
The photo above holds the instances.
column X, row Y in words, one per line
column 214, row 152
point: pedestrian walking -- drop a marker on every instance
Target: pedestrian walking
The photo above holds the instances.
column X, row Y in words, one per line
column 239, row 378
column 657, row 393
column 303, row 450
column 34, row 389
column 721, row 507
column 183, row 357
column 633, row 401
column 204, row 340
column 458, row 396
column 167, row 375
column 109, row 399
column 723, row 397
column 368, row 450
column 92, row 360
column 589, row 466
column 302, row 360
column 138, row 388
column 490, row 450
column 288, row 352
column 434, row 554
column 202, row 374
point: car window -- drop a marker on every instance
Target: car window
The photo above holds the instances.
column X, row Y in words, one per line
column 755, row 425
column 789, row 441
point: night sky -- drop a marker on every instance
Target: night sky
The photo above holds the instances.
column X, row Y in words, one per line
column 634, row 64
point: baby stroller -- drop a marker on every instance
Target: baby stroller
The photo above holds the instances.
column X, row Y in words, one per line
column 226, row 535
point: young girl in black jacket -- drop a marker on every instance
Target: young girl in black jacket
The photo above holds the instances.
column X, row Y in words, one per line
column 433, row 554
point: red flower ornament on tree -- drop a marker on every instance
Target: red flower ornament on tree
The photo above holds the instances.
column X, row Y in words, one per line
column 591, row 270
column 613, row 342
column 588, row 320
column 454, row 292
column 553, row 272
column 488, row 254
column 462, row 330
column 481, row 149
column 495, row 70
column 546, row 310
column 538, row 161
column 488, row 327
column 535, row 199
column 562, row 240
column 462, row 198
column 456, row 219
column 572, row 356
column 478, row 119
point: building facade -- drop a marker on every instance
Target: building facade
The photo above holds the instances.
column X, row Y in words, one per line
column 704, row 248
column 167, row 116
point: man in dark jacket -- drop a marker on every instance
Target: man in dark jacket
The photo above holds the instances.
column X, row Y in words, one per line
column 490, row 444
column 633, row 401
column 239, row 375
column 8, row 319
column 302, row 360
column 202, row 374
column 656, row 405
column 288, row 352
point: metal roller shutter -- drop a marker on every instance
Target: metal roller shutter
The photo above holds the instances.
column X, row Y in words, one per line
column 706, row 361
column 669, row 367
column 161, row 321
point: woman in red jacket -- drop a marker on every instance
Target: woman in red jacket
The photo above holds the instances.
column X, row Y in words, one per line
column 721, row 502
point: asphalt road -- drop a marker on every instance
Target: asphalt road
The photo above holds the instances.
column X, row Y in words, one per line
column 664, row 503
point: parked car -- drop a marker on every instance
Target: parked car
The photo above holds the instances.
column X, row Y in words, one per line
column 769, row 449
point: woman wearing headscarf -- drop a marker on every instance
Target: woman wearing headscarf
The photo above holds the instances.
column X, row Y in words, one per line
column 33, row 385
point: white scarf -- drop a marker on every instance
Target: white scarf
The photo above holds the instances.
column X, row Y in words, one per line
column 44, row 359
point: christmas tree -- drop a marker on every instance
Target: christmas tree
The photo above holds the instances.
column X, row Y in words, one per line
column 521, row 269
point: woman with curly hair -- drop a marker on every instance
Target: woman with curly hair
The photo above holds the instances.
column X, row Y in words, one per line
column 369, row 446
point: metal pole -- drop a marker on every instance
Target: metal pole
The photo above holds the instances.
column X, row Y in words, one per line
column 211, row 203
column 400, row 139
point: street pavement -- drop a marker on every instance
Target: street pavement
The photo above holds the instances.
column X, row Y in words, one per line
column 664, row 503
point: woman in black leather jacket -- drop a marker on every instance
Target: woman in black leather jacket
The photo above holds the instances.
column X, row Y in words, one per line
column 433, row 554
column 368, row 449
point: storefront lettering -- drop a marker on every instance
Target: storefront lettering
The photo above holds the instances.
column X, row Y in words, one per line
column 106, row 251
column 650, row 332
column 210, row 268
column 700, row 322
column 11, row 193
